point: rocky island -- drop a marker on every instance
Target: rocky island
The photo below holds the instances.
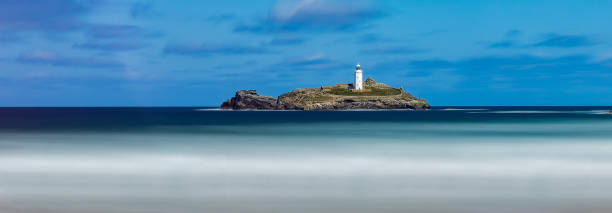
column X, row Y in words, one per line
column 339, row 97
column 358, row 95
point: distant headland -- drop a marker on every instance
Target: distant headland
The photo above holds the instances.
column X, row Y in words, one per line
column 359, row 95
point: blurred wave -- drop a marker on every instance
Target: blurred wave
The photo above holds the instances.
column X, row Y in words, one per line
column 191, row 160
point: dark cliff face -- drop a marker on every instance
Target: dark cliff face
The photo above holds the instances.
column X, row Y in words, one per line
column 249, row 99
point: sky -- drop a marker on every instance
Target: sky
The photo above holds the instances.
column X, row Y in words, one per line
column 199, row 53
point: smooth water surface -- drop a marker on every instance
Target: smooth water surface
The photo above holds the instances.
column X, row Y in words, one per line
column 448, row 159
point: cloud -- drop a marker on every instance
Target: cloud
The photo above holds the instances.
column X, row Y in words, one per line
column 205, row 49
column 6, row 37
column 566, row 41
column 317, row 15
column 106, row 31
column 503, row 44
column 220, row 18
column 508, row 64
column 50, row 58
column 502, row 80
column 142, row 9
column 519, row 66
column 369, row 38
column 48, row 15
column 391, row 49
column 312, row 62
column 433, row 32
column 513, row 33
column 111, row 46
column 108, row 37
column 509, row 41
column 550, row 40
column 286, row 41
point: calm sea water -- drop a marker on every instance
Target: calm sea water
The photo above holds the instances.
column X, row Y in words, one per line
column 448, row 159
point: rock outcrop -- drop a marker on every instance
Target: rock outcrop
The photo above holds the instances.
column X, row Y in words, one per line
column 249, row 99
column 339, row 97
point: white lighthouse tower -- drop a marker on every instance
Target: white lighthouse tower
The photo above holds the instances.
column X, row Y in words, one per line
column 358, row 85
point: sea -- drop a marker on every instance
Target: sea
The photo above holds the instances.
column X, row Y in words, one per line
column 199, row 159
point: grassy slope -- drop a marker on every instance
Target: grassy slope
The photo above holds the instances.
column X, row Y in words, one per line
column 370, row 91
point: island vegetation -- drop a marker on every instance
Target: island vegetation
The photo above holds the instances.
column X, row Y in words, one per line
column 338, row 97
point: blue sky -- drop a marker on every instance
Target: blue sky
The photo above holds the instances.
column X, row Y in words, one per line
column 198, row 53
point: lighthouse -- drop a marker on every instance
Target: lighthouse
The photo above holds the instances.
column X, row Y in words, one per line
column 358, row 85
